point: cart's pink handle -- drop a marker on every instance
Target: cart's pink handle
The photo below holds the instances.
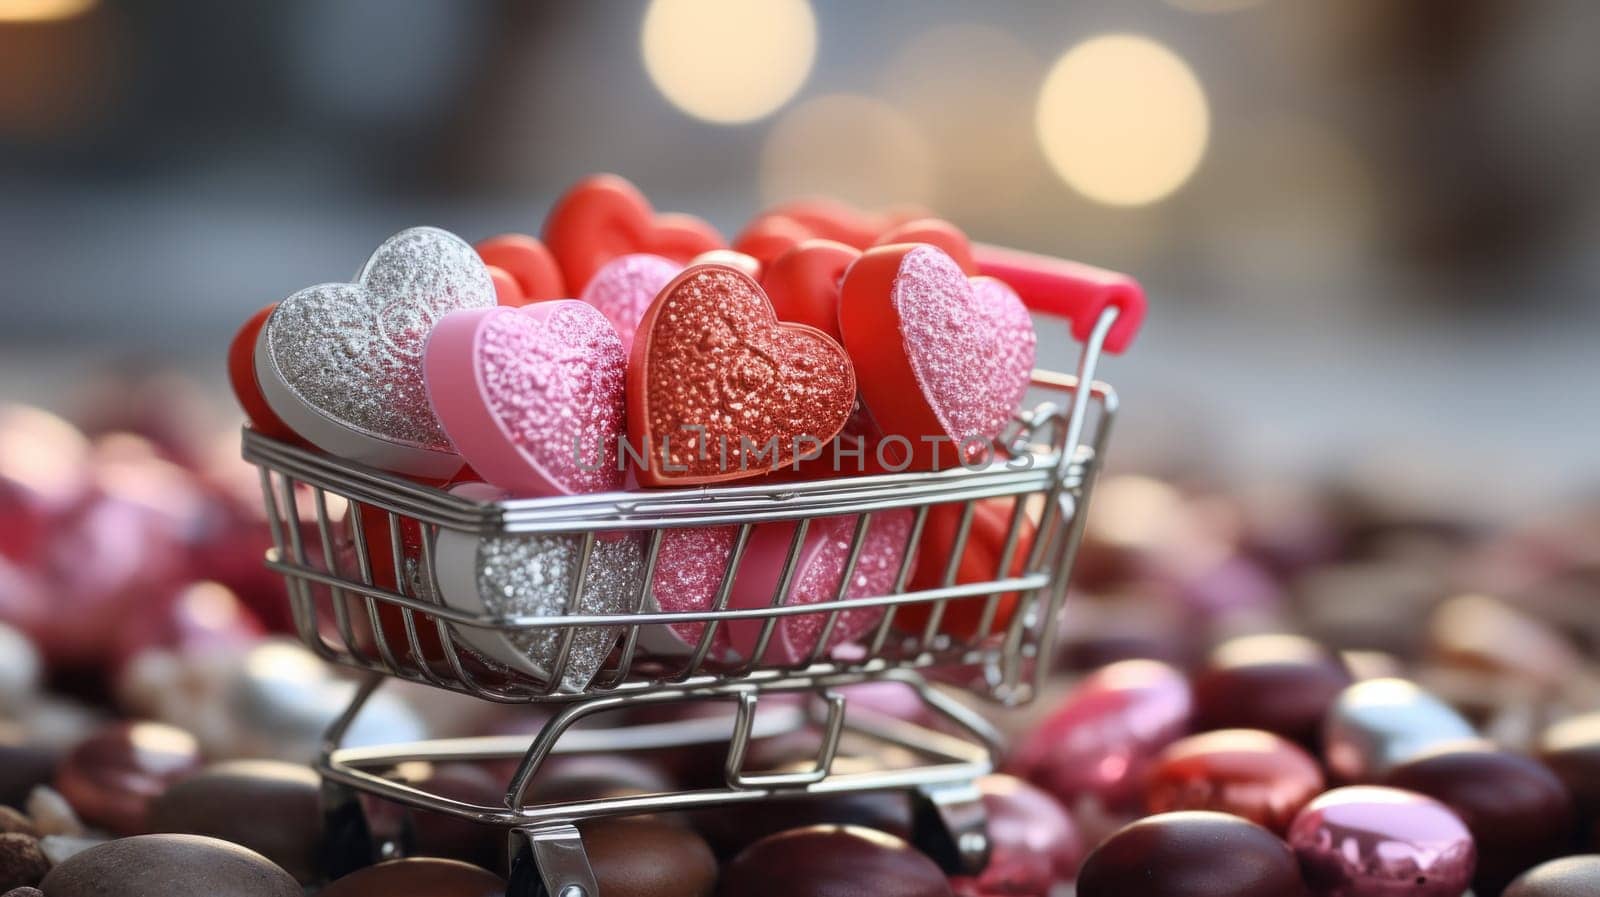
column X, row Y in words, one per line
column 1070, row 290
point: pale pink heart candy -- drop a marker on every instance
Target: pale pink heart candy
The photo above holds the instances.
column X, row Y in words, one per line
column 946, row 321
column 690, row 564
column 532, row 397
column 625, row 286
column 816, row 581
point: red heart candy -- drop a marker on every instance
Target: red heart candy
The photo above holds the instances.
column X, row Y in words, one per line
column 803, row 283
column 770, row 236
column 242, row 377
column 531, row 267
column 719, row 389
column 943, row 359
column 603, row 216
column 935, row 232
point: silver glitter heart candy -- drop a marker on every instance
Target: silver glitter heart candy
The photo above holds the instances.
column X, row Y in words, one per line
column 535, row 575
column 341, row 363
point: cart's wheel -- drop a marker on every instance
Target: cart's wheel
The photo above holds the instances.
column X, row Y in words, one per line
column 949, row 825
column 347, row 839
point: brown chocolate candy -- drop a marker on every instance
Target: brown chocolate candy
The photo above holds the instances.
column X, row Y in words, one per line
column 1575, row 876
column 418, row 877
column 12, row 820
column 112, row 776
column 1571, row 749
column 1518, row 811
column 1280, row 683
column 270, row 807
column 648, row 858
column 733, row 828
column 169, row 866
column 22, row 863
column 1191, row 854
column 23, row 765
column 832, row 860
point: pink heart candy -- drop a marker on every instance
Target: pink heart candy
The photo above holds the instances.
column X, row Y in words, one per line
column 691, row 563
column 532, row 397
column 625, row 286
column 947, row 320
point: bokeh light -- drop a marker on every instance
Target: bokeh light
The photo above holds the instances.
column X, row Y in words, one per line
column 858, row 149
column 1122, row 119
column 19, row 11
column 970, row 87
column 729, row 61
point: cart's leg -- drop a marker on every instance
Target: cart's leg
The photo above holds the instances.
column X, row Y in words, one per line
column 550, row 861
column 949, row 825
column 347, row 839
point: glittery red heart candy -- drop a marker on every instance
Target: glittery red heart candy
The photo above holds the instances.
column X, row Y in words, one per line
column 719, row 389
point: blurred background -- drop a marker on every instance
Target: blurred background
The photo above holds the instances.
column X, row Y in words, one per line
column 1367, row 228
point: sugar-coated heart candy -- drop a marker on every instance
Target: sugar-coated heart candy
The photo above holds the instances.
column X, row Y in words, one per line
column 803, row 283
column 719, row 389
column 624, row 287
column 943, row 360
column 536, row 575
column 818, row 573
column 532, row 396
column 530, row 271
column 690, row 565
column 341, row 363
column 604, row 216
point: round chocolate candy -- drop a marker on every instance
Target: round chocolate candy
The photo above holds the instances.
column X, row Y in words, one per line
column 24, row 764
column 13, row 820
column 270, row 807
column 1191, row 854
column 22, row 863
column 648, row 858
column 1571, row 749
column 1378, row 723
column 1279, row 683
column 732, row 828
column 169, row 866
column 1575, row 876
column 1367, row 840
column 1033, row 843
column 836, row 860
column 418, row 877
column 1247, row 772
column 1518, row 811
column 111, row 778
column 1098, row 743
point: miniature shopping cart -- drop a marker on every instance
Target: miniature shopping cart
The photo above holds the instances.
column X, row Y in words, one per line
column 372, row 604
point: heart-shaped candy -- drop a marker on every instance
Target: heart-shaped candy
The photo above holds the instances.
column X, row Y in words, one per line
column 690, row 565
column 603, row 216
column 719, row 390
column 341, row 363
column 532, row 396
column 528, row 265
column 624, row 287
column 943, row 359
column 818, row 572
column 242, row 377
column 536, row 575
column 803, row 283
column 935, row 232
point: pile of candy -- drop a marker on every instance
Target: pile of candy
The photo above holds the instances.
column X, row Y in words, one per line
column 1256, row 694
column 682, row 362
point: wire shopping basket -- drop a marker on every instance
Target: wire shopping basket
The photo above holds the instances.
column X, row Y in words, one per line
column 366, row 558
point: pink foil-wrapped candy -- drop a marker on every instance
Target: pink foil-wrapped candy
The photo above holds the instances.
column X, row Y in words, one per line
column 1097, row 745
